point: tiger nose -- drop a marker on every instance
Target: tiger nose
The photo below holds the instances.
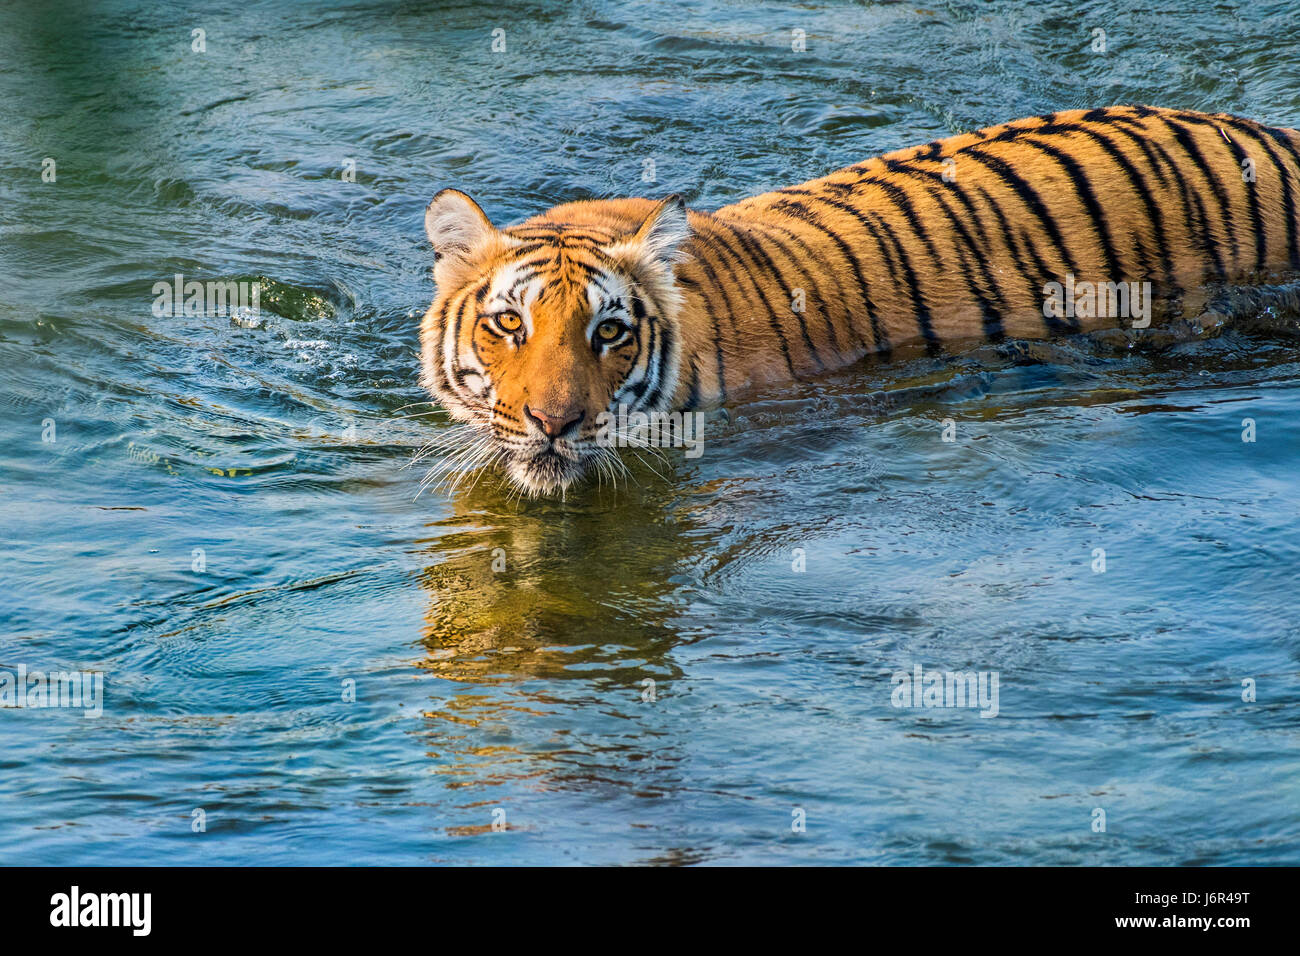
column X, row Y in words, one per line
column 554, row 425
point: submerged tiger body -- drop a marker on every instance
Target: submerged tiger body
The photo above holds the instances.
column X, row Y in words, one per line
column 538, row 328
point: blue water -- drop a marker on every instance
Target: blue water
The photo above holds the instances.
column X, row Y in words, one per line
column 269, row 453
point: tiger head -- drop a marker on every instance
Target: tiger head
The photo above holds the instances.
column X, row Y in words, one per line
column 538, row 329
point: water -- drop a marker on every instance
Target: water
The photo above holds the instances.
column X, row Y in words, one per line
column 270, row 454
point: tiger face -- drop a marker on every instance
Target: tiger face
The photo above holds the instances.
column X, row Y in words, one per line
column 538, row 329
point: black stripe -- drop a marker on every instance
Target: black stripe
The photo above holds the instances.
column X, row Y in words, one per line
column 1089, row 199
column 1184, row 139
column 1054, row 325
column 1067, row 323
column 1284, row 140
column 1143, row 144
column 924, row 320
column 528, row 276
column 908, row 213
column 667, row 333
column 445, row 316
column 904, row 203
column 802, row 272
column 1238, row 155
column 596, row 281
column 693, row 390
column 754, row 246
column 1196, row 218
column 689, row 283
column 886, row 256
column 1245, row 128
column 1288, row 198
column 1143, row 189
column 918, row 301
column 1121, row 122
column 990, row 315
column 720, row 243
column 638, row 389
column 797, row 210
column 527, row 248
column 665, row 349
column 538, row 260
column 458, row 320
column 1029, row 196
column 930, row 150
column 897, row 195
column 440, row 373
column 720, row 290
column 1205, row 223
column 940, row 187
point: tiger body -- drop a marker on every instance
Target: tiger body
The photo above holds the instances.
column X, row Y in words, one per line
column 936, row 247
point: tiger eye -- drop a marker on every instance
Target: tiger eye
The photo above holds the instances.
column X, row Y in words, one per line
column 608, row 331
column 508, row 321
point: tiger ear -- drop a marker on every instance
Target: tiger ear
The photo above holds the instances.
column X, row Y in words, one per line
column 662, row 234
column 455, row 225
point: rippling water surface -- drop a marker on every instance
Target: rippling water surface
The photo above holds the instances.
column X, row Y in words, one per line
column 269, row 453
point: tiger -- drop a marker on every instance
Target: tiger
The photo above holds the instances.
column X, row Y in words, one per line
column 538, row 330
